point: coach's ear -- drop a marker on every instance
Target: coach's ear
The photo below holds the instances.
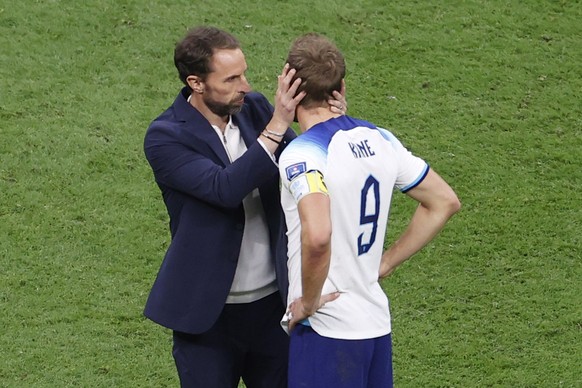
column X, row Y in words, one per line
column 196, row 84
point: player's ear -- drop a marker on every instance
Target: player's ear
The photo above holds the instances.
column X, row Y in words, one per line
column 195, row 83
column 343, row 89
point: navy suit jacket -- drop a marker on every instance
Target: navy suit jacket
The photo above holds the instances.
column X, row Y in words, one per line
column 203, row 194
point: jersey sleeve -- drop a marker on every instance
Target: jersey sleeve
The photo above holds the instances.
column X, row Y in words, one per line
column 301, row 174
column 307, row 183
column 411, row 169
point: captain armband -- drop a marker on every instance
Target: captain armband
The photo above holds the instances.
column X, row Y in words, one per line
column 307, row 183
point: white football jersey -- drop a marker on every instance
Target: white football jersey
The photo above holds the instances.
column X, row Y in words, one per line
column 360, row 165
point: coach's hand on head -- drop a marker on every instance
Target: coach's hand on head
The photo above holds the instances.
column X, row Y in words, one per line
column 286, row 101
column 339, row 104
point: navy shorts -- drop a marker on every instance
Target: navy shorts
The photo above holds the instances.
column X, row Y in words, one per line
column 316, row 361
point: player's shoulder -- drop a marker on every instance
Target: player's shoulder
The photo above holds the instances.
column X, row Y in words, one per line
column 304, row 150
column 308, row 144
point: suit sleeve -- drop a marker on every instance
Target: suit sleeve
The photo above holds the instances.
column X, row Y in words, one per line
column 190, row 170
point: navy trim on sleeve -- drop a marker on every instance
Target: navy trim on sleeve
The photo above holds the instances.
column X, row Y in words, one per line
column 416, row 182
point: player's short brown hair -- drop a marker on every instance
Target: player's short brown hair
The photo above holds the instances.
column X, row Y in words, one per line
column 320, row 65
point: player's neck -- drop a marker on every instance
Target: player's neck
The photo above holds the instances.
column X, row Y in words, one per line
column 307, row 118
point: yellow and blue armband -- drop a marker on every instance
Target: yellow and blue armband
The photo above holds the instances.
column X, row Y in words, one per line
column 307, row 183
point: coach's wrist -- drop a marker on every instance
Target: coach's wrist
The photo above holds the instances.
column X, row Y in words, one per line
column 272, row 137
column 275, row 134
column 277, row 126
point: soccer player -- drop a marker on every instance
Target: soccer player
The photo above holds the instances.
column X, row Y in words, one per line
column 337, row 182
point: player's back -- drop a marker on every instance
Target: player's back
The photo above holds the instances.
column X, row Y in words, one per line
column 360, row 175
column 361, row 164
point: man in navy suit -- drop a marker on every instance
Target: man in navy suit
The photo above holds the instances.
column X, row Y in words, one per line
column 222, row 284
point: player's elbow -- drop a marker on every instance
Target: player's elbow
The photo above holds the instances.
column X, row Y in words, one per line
column 451, row 204
column 316, row 241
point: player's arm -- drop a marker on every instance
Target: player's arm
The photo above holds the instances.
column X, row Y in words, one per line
column 314, row 213
column 437, row 203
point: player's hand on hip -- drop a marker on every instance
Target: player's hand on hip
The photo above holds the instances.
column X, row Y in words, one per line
column 297, row 311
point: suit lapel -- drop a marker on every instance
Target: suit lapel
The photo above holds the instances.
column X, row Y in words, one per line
column 198, row 129
column 246, row 126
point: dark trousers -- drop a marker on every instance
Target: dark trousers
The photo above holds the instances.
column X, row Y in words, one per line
column 247, row 341
column 321, row 362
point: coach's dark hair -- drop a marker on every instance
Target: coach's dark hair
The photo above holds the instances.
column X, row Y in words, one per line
column 320, row 65
column 193, row 53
